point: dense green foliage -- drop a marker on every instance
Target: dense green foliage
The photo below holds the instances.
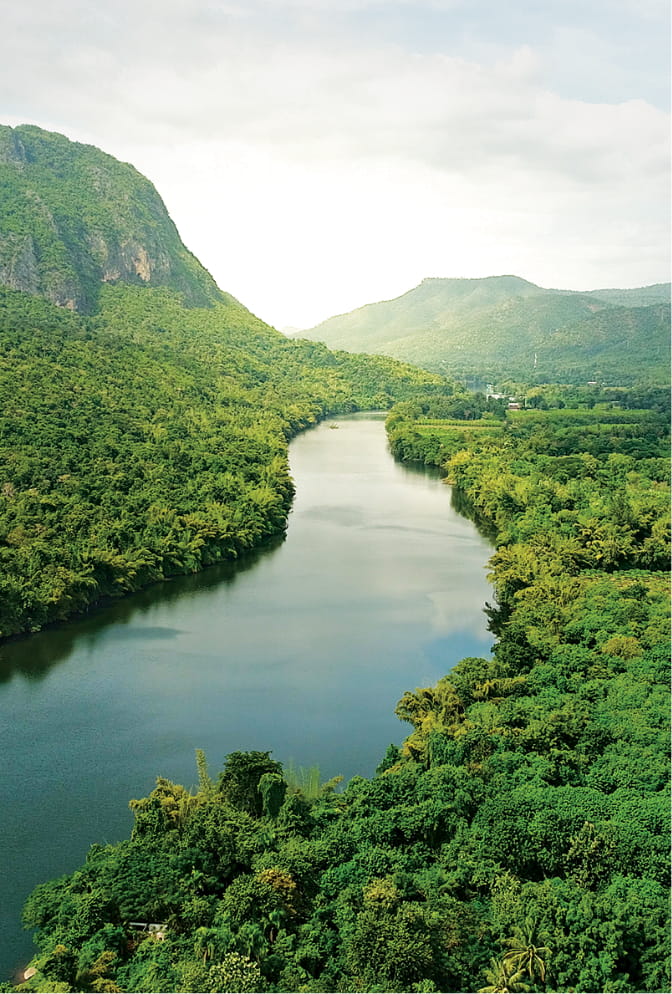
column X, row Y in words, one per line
column 507, row 328
column 72, row 217
column 151, row 439
column 518, row 840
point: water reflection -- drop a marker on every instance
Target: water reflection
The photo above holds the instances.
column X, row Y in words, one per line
column 32, row 656
column 463, row 506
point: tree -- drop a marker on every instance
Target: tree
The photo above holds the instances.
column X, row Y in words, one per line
column 524, row 956
column 239, row 780
column 233, row 973
column 502, row 980
column 272, row 789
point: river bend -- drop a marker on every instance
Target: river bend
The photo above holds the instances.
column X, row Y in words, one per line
column 303, row 649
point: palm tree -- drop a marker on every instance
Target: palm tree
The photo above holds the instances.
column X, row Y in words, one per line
column 501, row 980
column 274, row 921
column 524, row 955
column 205, row 942
column 251, row 940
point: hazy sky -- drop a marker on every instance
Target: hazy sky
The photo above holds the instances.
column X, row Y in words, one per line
column 317, row 155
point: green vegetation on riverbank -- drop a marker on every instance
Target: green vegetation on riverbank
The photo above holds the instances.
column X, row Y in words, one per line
column 517, row 840
column 150, row 439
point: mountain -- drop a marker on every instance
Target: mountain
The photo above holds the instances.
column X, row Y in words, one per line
column 504, row 327
column 73, row 218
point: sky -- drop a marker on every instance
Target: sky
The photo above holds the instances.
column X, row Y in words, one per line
column 318, row 155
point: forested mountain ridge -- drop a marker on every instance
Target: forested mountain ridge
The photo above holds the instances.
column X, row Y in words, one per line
column 655, row 293
column 73, row 218
column 506, row 328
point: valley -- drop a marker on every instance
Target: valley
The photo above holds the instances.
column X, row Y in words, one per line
column 192, row 563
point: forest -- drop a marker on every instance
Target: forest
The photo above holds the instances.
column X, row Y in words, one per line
column 150, row 439
column 517, row 839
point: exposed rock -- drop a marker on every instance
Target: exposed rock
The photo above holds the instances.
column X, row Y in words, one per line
column 18, row 264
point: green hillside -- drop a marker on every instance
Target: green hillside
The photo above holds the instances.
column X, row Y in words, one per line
column 151, row 439
column 72, row 218
column 657, row 293
column 505, row 328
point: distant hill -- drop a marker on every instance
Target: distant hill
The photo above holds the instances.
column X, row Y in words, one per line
column 504, row 327
column 73, row 218
column 657, row 293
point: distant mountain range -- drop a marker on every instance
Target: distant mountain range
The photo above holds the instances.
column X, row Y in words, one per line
column 504, row 327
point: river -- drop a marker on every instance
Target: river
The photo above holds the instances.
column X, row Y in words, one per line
column 303, row 649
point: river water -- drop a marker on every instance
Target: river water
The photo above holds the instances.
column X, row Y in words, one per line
column 303, row 649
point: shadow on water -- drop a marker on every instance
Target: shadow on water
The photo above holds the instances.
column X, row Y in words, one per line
column 415, row 467
column 33, row 656
column 460, row 503
column 458, row 500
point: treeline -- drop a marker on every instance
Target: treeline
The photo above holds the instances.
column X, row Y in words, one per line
column 518, row 840
column 150, row 440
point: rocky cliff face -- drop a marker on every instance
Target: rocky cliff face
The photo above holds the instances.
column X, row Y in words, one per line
column 18, row 263
column 72, row 218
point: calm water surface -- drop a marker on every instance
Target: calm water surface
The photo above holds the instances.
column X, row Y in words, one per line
column 304, row 650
